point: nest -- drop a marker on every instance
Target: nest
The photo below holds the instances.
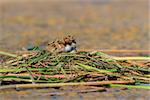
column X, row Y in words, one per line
column 48, row 67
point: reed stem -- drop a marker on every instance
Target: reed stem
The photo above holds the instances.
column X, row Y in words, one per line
column 25, row 86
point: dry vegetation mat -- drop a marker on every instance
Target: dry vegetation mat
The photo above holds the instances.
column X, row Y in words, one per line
column 41, row 68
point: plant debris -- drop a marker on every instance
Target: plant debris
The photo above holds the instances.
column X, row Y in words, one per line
column 49, row 67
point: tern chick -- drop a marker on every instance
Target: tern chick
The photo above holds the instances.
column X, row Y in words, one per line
column 68, row 44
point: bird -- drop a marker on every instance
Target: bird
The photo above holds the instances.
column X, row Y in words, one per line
column 51, row 47
column 70, row 44
column 67, row 44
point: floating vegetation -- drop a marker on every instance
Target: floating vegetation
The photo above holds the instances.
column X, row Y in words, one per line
column 80, row 68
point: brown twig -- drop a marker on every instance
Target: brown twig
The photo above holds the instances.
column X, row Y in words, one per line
column 25, row 86
column 118, row 51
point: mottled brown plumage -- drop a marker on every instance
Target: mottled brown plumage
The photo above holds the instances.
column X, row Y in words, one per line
column 67, row 44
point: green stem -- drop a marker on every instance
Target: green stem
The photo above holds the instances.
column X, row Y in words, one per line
column 8, row 54
column 130, row 86
column 63, row 84
column 92, row 68
column 131, row 58
column 31, row 76
column 3, row 70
